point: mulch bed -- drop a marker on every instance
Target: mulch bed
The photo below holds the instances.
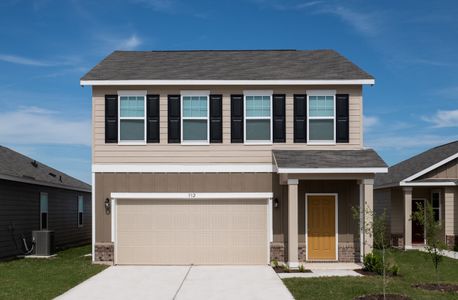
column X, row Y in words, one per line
column 283, row 270
column 365, row 273
column 380, row 297
column 441, row 287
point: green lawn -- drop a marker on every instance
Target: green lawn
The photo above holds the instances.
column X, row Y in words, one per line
column 46, row 278
column 414, row 268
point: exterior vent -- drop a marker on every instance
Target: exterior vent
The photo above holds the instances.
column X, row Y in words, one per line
column 44, row 242
column 34, row 163
column 52, row 174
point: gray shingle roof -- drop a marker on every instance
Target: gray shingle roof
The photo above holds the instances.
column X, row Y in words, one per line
column 226, row 65
column 416, row 164
column 17, row 167
column 366, row 158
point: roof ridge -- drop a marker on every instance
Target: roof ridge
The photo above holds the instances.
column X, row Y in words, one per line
column 225, row 50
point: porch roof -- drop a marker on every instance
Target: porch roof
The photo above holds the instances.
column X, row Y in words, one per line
column 329, row 161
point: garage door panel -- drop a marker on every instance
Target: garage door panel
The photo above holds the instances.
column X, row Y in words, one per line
column 191, row 231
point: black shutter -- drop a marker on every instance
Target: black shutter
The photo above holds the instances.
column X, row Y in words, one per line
column 236, row 118
column 152, row 118
column 216, row 118
column 300, row 118
column 342, row 118
column 111, row 118
column 279, row 126
column 174, row 114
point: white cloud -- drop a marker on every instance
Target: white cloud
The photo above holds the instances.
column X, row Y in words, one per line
column 369, row 122
column 158, row 5
column 365, row 23
column 35, row 125
column 15, row 59
column 130, row 43
column 408, row 141
column 444, row 118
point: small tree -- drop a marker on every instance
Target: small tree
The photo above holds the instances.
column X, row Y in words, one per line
column 378, row 230
column 433, row 229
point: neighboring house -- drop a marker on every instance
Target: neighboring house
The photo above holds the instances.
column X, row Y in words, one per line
column 34, row 196
column 229, row 157
column 429, row 176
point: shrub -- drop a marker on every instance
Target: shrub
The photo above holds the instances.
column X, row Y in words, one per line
column 455, row 248
column 274, row 263
column 301, row 268
column 373, row 262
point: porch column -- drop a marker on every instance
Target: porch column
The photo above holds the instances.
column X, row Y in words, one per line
column 368, row 191
column 407, row 221
column 450, row 216
column 293, row 259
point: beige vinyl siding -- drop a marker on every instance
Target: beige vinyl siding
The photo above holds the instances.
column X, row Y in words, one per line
column 213, row 153
column 451, row 210
column 183, row 232
column 447, row 171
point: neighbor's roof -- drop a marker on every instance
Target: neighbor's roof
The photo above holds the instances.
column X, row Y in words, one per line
column 416, row 164
column 226, row 65
column 17, row 167
column 329, row 159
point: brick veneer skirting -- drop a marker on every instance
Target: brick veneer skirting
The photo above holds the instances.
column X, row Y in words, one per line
column 104, row 251
column 397, row 240
column 347, row 252
column 452, row 241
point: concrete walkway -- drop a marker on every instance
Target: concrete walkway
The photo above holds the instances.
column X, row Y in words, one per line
column 448, row 253
column 182, row 282
column 326, row 270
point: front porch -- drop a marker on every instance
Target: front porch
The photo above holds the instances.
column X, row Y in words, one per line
column 314, row 207
column 405, row 200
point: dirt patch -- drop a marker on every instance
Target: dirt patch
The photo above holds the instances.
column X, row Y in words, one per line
column 441, row 287
column 365, row 273
column 284, row 270
column 380, row 297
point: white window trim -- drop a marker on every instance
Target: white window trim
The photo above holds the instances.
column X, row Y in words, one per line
column 268, row 93
column 131, row 93
column 47, row 212
column 195, row 93
column 321, row 93
column 80, row 197
column 440, row 204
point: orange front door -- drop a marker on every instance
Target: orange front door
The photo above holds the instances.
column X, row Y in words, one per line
column 321, row 227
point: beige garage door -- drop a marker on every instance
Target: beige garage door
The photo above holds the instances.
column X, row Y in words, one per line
column 193, row 231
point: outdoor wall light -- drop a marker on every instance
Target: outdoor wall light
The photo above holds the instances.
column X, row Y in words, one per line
column 276, row 202
column 107, row 206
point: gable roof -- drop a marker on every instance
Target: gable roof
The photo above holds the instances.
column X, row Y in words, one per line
column 417, row 165
column 17, row 167
column 226, row 65
column 301, row 161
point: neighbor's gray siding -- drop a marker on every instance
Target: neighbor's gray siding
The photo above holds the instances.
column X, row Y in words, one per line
column 19, row 214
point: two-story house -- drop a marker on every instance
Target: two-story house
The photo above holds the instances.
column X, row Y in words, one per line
column 229, row 157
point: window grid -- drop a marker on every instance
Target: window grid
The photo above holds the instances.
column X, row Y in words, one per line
column 321, row 108
column 195, row 107
column 258, row 107
column 436, row 205
column 132, row 108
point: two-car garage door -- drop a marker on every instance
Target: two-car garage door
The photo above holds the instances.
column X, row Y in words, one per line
column 175, row 232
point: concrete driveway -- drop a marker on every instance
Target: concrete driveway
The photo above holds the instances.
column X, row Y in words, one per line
column 182, row 282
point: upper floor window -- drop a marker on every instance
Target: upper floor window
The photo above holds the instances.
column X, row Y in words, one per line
column 132, row 117
column 194, row 123
column 321, row 117
column 436, row 205
column 43, row 211
column 80, row 210
column 258, row 117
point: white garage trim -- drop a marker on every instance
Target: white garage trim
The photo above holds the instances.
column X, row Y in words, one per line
column 191, row 195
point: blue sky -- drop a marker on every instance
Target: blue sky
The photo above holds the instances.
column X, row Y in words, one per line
column 411, row 47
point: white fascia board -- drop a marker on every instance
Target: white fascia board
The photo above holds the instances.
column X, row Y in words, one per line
column 429, row 169
column 437, row 183
column 191, row 195
column 229, row 82
column 331, row 170
column 183, row 168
